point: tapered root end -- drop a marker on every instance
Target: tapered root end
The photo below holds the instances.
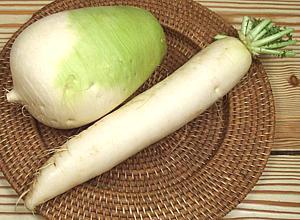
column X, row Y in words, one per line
column 30, row 206
column 29, row 201
column 12, row 96
column 21, row 197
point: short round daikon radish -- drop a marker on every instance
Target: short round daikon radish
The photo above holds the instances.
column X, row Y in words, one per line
column 73, row 67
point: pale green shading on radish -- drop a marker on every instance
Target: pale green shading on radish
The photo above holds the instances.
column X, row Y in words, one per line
column 117, row 48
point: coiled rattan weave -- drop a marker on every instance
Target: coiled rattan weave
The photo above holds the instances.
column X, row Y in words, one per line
column 201, row 171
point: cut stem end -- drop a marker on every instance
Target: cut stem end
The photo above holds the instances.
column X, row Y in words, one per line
column 261, row 36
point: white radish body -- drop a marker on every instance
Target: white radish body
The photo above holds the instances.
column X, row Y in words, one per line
column 147, row 118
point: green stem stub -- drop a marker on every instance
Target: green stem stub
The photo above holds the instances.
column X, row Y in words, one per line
column 261, row 36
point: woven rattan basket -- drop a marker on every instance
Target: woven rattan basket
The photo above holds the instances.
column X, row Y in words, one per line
column 202, row 171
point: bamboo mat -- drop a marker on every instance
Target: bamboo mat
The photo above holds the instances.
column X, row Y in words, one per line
column 277, row 193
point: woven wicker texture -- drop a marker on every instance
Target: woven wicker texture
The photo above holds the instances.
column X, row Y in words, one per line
column 201, row 171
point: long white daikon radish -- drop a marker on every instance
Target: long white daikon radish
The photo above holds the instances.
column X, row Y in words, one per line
column 147, row 118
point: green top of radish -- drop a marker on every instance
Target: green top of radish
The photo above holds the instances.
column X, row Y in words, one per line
column 117, row 47
column 261, row 36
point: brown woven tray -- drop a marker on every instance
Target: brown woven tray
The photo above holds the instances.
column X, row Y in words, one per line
column 201, row 171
